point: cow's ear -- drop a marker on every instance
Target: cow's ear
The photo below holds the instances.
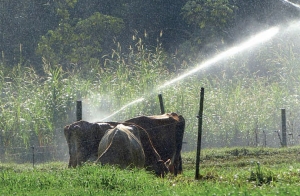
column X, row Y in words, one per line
column 133, row 127
column 168, row 162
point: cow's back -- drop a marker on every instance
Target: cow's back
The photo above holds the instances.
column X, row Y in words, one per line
column 121, row 146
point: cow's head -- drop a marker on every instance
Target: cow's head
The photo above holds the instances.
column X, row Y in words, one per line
column 162, row 168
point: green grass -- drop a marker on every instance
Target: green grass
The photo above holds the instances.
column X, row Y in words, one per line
column 252, row 171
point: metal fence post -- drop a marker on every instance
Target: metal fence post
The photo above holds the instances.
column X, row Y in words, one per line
column 79, row 110
column 265, row 138
column 32, row 156
column 283, row 122
column 200, row 117
column 162, row 108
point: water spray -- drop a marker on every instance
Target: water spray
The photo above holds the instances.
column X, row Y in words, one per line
column 124, row 107
column 291, row 3
column 253, row 41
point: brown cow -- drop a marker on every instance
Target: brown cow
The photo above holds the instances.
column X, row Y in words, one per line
column 83, row 140
column 166, row 133
column 122, row 146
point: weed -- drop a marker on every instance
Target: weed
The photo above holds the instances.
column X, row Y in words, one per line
column 261, row 176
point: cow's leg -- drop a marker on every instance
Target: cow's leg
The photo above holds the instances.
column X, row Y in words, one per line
column 177, row 165
column 73, row 159
column 180, row 165
column 175, row 169
column 72, row 152
column 82, row 155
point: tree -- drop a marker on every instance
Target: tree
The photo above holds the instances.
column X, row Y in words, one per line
column 157, row 17
column 209, row 19
column 88, row 38
column 256, row 15
column 13, row 29
column 22, row 22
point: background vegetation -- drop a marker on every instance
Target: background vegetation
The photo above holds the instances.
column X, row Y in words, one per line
column 76, row 31
column 108, row 55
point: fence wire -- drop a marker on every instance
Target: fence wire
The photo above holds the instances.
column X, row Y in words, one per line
column 60, row 152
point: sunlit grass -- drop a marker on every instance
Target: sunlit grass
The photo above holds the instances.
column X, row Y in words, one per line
column 260, row 176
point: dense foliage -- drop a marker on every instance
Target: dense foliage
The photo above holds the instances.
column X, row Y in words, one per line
column 88, row 27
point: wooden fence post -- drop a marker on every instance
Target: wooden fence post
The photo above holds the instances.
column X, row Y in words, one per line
column 200, row 117
column 161, row 103
column 283, row 123
column 79, row 111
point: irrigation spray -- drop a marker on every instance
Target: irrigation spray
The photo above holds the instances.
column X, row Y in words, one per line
column 252, row 42
column 124, row 107
column 255, row 40
column 291, row 3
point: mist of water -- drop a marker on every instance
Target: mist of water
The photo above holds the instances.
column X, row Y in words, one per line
column 291, row 3
column 124, row 107
column 255, row 40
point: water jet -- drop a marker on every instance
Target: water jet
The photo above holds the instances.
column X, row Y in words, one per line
column 124, row 107
column 291, row 3
column 255, row 40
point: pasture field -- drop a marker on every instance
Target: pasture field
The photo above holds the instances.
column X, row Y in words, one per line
column 227, row 171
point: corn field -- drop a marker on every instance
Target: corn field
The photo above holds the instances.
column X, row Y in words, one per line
column 243, row 98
